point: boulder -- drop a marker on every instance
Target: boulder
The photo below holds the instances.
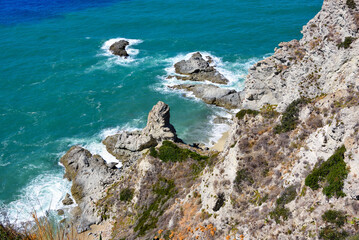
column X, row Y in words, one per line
column 67, row 200
column 89, row 175
column 198, row 69
column 212, row 94
column 119, row 48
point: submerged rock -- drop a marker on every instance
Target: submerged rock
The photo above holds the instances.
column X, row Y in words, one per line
column 212, row 94
column 119, row 48
column 198, row 69
column 127, row 146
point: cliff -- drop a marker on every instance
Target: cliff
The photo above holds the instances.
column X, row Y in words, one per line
column 323, row 61
column 289, row 168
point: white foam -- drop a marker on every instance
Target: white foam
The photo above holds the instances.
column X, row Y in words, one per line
column 235, row 72
column 218, row 129
column 113, row 60
column 42, row 194
column 117, row 59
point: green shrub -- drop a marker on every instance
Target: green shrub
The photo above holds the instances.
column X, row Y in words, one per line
column 330, row 233
column 153, row 152
column 287, row 196
column 126, row 195
column 279, row 212
column 164, row 190
column 243, row 175
column 171, row 152
column 346, row 43
column 243, row 112
column 351, row 4
column 336, row 217
column 333, row 172
column 290, row 116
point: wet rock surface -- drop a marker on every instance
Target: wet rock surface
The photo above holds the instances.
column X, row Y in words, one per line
column 198, row 69
column 119, row 48
column 212, row 94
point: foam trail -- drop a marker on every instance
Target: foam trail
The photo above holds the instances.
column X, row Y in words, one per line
column 42, row 194
column 218, row 129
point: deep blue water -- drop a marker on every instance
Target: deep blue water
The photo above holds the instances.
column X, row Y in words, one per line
column 59, row 86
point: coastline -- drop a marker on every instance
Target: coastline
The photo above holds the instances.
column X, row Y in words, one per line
column 219, row 145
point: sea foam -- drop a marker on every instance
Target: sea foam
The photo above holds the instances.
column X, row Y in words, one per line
column 43, row 194
column 235, row 71
column 117, row 59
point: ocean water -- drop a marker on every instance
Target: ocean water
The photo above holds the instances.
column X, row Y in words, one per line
column 59, row 85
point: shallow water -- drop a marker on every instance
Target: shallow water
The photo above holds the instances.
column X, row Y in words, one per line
column 59, row 86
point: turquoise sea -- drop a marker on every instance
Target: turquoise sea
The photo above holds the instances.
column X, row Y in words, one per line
column 59, row 86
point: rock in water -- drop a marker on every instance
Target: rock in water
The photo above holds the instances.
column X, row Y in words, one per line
column 195, row 64
column 119, row 48
column 127, row 146
column 214, row 95
column 198, row 69
column 67, row 200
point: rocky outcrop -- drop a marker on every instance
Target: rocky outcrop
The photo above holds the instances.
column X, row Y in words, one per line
column 119, row 48
column 198, row 69
column 67, row 200
column 90, row 176
column 323, row 61
column 127, row 146
column 256, row 187
column 212, row 94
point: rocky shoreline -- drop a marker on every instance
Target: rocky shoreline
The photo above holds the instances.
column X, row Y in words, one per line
column 199, row 68
column 288, row 169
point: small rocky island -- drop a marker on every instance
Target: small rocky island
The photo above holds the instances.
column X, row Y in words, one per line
column 290, row 164
column 200, row 70
column 119, row 48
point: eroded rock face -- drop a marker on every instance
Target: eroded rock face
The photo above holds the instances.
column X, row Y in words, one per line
column 316, row 64
column 198, row 69
column 214, row 95
column 119, row 48
column 127, row 146
column 89, row 175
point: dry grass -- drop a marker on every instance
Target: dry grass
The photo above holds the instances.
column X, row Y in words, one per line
column 41, row 228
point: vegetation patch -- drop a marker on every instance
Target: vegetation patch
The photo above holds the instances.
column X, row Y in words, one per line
column 335, row 217
column 269, row 111
column 164, row 190
column 330, row 233
column 290, row 116
column 332, row 173
column 153, row 152
column 346, row 43
column 170, row 152
column 281, row 212
column 243, row 112
column 126, row 195
column 243, row 175
column 278, row 213
column 351, row 4
column 288, row 195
